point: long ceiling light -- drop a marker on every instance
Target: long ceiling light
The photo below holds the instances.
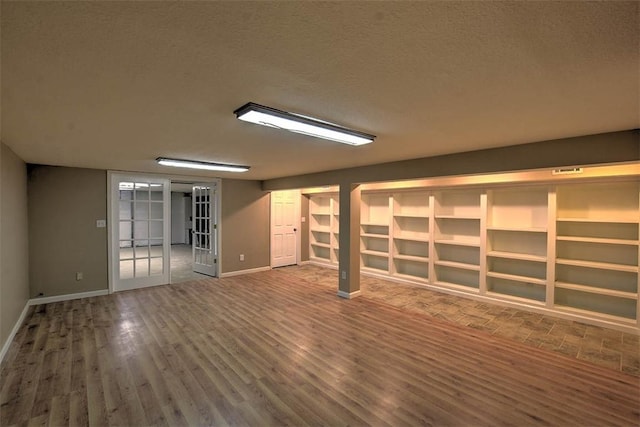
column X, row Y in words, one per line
column 267, row 116
column 195, row 164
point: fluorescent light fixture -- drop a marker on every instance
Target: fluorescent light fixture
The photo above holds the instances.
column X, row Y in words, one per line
column 194, row 164
column 267, row 116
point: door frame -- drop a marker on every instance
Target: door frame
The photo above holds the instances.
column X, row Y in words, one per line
column 172, row 178
column 298, row 224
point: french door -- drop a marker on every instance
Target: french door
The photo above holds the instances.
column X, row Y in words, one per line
column 140, row 233
column 205, row 229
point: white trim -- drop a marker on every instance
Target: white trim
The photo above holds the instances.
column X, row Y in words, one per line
column 247, row 271
column 325, row 264
column 68, row 297
column 14, row 331
column 349, row 295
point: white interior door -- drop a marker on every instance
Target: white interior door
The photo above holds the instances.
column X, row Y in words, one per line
column 285, row 206
column 140, row 231
column 205, row 229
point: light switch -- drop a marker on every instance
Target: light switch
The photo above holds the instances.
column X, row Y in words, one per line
column 101, row 223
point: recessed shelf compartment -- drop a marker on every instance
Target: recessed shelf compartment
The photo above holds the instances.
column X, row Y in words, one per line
column 461, row 254
column 458, row 204
column 594, row 290
column 375, row 209
column 447, row 275
column 518, row 256
column 599, row 202
column 320, row 230
column 411, row 248
column 456, row 230
column 528, row 270
column 321, row 245
column 598, row 253
column 600, row 265
column 378, row 262
column 375, row 230
column 321, row 252
column 517, row 242
column 411, row 204
column 411, row 227
column 506, row 285
column 598, row 279
column 408, row 268
column 376, row 243
column 523, row 208
column 322, row 225
column 605, row 232
column 604, row 304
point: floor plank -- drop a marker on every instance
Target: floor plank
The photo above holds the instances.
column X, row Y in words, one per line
column 274, row 349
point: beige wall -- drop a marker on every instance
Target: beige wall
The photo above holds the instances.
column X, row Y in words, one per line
column 245, row 225
column 64, row 204
column 14, row 253
column 591, row 149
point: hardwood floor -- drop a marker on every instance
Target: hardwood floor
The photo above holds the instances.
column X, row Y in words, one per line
column 272, row 349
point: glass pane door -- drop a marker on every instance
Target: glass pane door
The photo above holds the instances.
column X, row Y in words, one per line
column 205, row 253
column 140, row 237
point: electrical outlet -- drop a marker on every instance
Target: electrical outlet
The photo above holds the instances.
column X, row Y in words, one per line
column 303, row 219
column 79, row 275
column 101, row 223
column 241, row 257
column 344, row 275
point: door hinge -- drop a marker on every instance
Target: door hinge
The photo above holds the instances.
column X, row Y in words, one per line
column 215, row 226
column 215, row 261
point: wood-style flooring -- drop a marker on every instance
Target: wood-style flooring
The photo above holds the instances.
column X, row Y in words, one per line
column 273, row 349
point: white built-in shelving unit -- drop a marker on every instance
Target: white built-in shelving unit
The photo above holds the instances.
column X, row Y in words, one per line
column 566, row 248
column 323, row 228
column 517, row 247
column 597, row 250
column 374, row 233
column 411, row 213
column 458, row 216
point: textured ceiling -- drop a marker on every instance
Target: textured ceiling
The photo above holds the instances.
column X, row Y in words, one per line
column 113, row 85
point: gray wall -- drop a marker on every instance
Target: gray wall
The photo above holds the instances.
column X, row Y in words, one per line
column 64, row 204
column 603, row 148
column 178, row 219
column 14, row 253
column 245, row 225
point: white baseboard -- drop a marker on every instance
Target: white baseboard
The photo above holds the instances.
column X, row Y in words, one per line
column 14, row 331
column 248, row 271
column 349, row 295
column 67, row 297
